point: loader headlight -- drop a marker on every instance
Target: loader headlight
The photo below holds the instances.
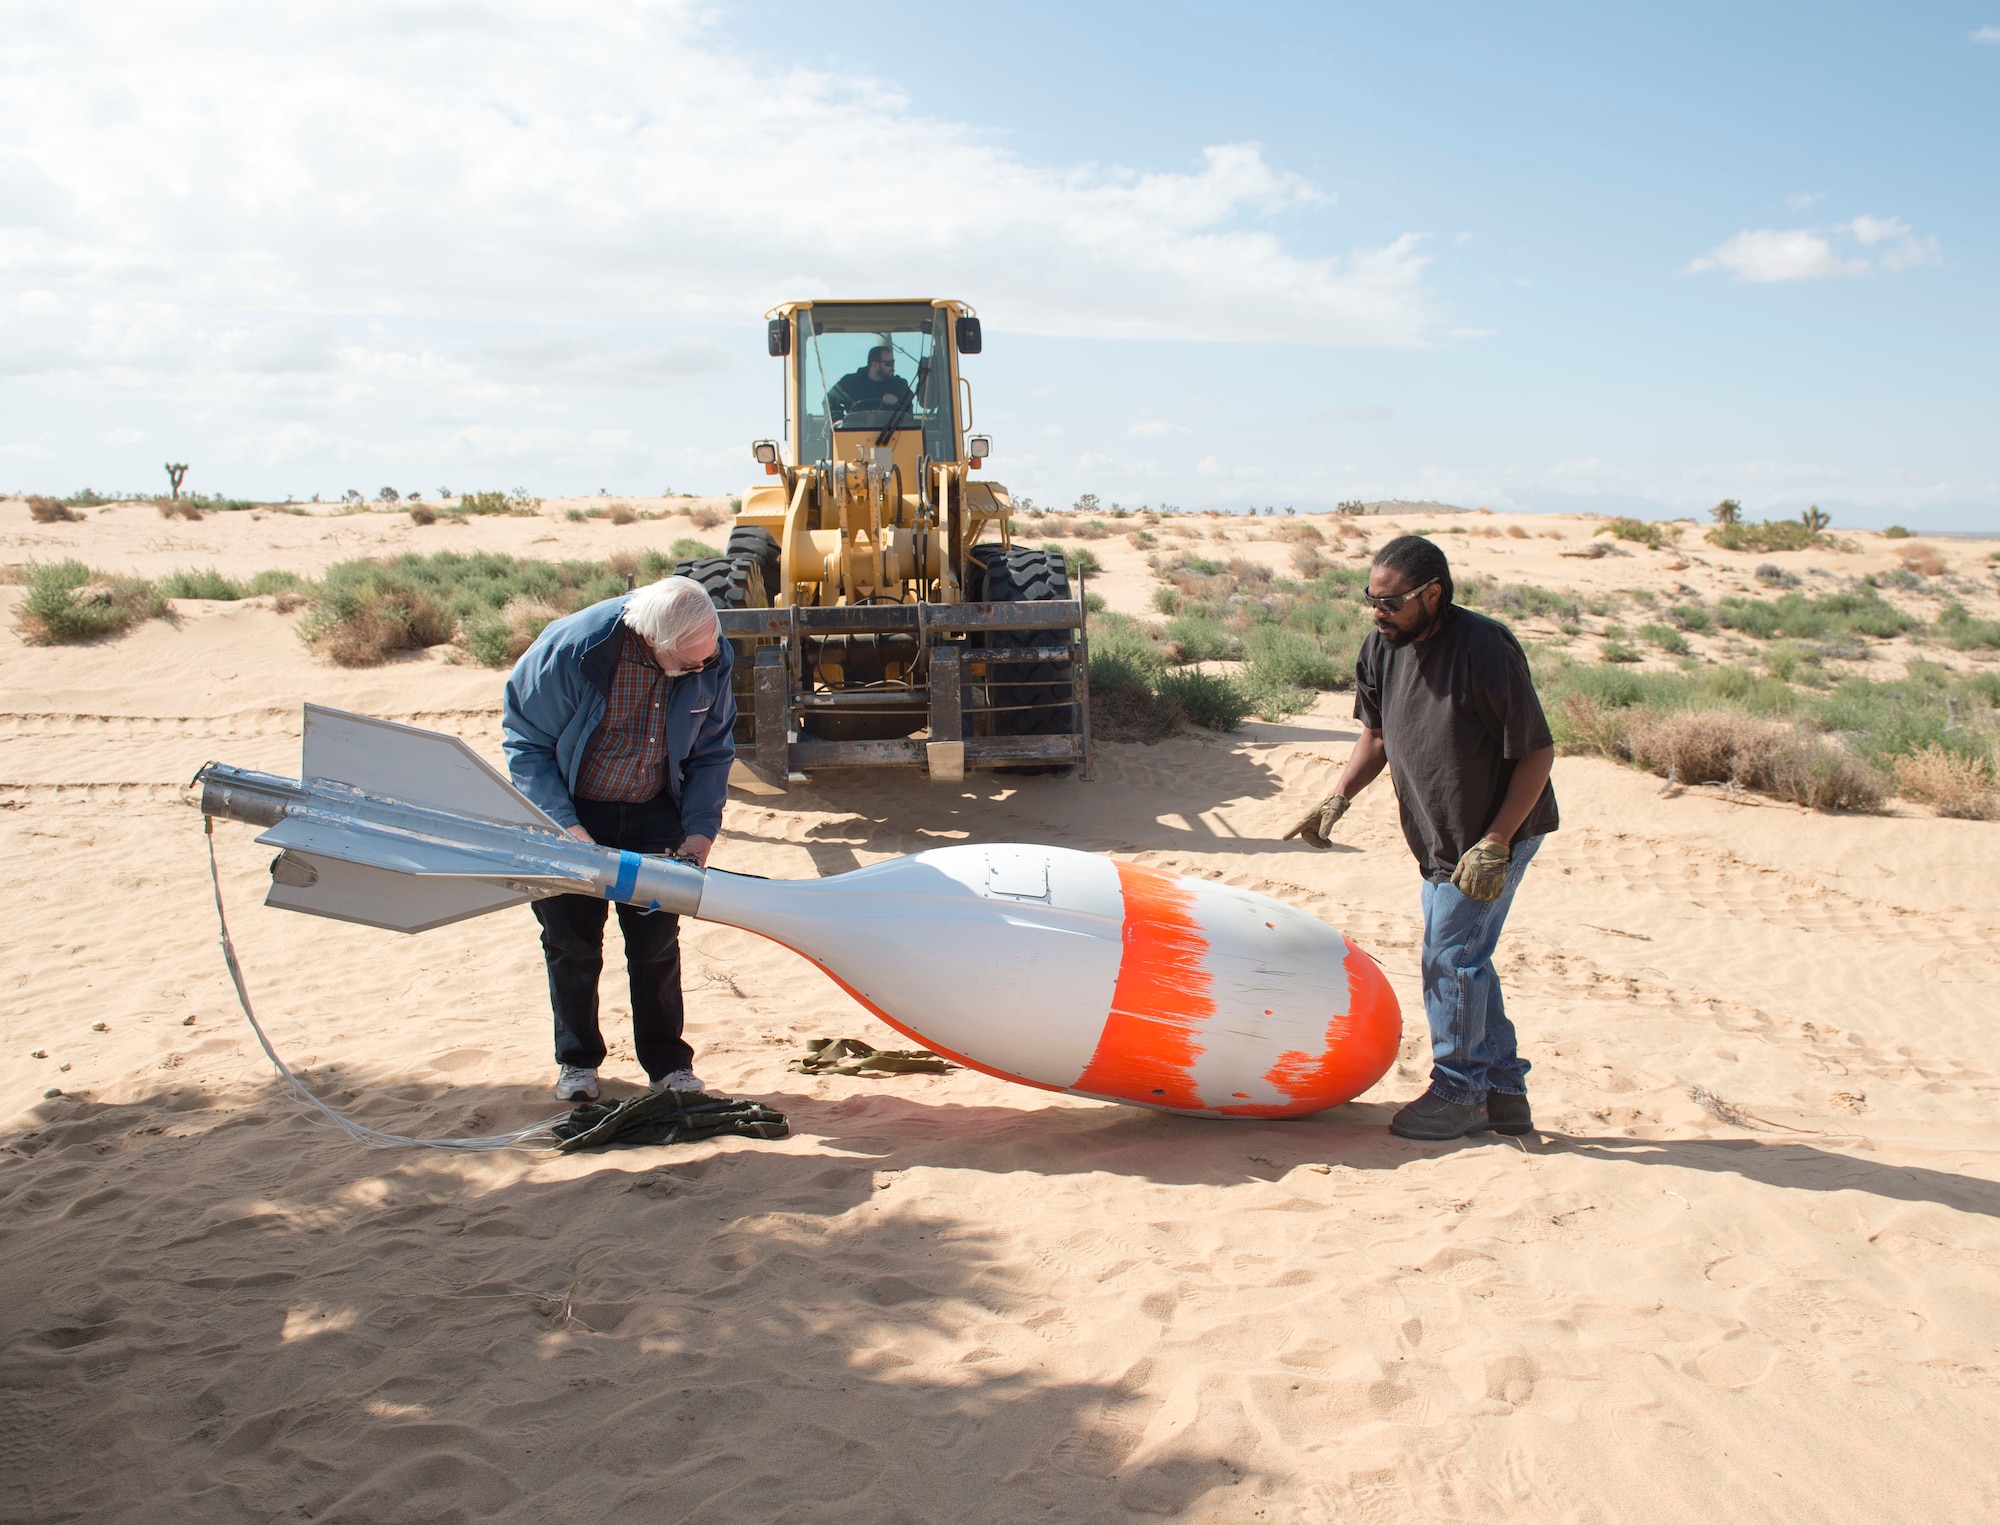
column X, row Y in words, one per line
column 978, row 448
column 766, row 452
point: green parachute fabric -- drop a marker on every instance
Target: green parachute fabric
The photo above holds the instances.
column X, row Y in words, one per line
column 666, row 1117
column 850, row 1056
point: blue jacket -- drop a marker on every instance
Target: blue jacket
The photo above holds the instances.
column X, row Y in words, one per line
column 555, row 701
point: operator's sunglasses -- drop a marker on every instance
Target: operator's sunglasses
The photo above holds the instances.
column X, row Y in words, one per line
column 1389, row 603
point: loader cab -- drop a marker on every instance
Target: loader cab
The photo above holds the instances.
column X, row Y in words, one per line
column 860, row 370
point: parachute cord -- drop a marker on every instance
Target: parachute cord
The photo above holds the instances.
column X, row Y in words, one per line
column 361, row 1133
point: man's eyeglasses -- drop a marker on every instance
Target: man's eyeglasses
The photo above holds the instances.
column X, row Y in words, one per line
column 1389, row 603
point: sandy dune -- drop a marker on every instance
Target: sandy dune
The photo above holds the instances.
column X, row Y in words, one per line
column 948, row 1298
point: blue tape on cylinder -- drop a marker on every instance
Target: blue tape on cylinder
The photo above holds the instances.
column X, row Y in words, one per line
column 628, row 877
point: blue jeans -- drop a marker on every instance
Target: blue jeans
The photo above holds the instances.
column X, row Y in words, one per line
column 1472, row 1042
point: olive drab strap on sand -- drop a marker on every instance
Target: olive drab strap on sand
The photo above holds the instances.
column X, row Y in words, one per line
column 850, row 1056
column 540, row 1136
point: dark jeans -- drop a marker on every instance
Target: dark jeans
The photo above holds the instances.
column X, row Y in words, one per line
column 573, row 945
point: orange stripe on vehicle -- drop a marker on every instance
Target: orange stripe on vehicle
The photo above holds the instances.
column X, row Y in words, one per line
column 1360, row 1046
column 1161, row 1001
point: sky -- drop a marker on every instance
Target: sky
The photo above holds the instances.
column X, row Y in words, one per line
column 1540, row 257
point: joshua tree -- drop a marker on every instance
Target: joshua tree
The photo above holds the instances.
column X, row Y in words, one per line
column 1816, row 518
column 1728, row 511
column 174, row 475
column 1087, row 504
column 389, row 495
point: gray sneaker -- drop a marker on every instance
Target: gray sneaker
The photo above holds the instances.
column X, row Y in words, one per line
column 575, row 1083
column 679, row 1080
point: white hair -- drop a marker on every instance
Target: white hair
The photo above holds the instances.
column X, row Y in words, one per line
column 671, row 613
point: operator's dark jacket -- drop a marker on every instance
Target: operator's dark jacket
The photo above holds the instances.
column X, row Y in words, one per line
column 555, row 702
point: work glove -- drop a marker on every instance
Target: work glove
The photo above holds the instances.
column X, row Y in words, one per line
column 1482, row 872
column 1316, row 825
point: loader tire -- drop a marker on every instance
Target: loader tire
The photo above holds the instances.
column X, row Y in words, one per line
column 1022, row 576
column 760, row 546
column 737, row 584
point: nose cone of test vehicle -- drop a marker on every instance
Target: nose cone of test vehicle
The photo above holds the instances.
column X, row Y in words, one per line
column 1078, row 973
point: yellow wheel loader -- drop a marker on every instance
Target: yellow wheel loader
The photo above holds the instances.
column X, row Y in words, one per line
column 881, row 613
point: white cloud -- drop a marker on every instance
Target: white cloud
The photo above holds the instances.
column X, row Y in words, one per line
column 1987, row 34
column 1155, row 428
column 1764, row 254
column 1799, row 201
column 362, row 200
column 27, row 452
column 1815, row 254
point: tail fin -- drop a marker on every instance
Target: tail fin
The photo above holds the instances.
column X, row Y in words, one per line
column 380, row 897
column 402, row 762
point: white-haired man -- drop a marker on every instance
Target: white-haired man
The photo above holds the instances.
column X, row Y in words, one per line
column 618, row 723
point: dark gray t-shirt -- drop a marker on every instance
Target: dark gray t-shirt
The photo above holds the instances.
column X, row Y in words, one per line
column 1455, row 713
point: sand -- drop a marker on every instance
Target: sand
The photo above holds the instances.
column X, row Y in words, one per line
column 949, row 1298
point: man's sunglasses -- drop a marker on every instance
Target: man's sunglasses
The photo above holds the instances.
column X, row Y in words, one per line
column 1389, row 603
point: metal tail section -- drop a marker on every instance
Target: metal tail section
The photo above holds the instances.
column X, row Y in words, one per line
column 401, row 762
column 380, row 897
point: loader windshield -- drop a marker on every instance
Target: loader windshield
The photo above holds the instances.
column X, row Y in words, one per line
column 874, row 367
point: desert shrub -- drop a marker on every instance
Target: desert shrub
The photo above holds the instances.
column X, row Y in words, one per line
column 1522, row 599
column 67, row 602
column 1081, row 560
column 1122, row 655
column 1639, row 531
column 1722, row 746
column 707, row 516
column 1292, row 658
column 178, row 508
column 1217, row 703
column 1957, row 628
column 516, row 502
column 420, row 514
column 1693, row 617
column 1774, row 576
column 44, row 510
column 1302, row 530
column 1203, row 638
column 1798, row 617
column 1794, row 662
column 1617, row 651
column 1770, row 535
column 1923, row 560
column 1516, row 532
column 1166, row 600
column 366, row 611
column 1951, row 783
column 687, row 548
column 89, row 498
column 1307, row 561
column 1666, row 638
column 1895, row 532
column 498, row 640
column 1090, row 529
column 206, row 582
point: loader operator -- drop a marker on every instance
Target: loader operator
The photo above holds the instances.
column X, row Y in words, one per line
column 619, row 724
column 874, row 388
column 1446, row 703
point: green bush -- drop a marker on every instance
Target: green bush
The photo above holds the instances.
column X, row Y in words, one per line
column 1215, row 702
column 366, row 611
column 1639, row 531
column 687, row 548
column 1895, row 532
column 1959, row 630
column 1203, row 638
column 1123, row 656
column 1666, row 638
column 1694, row 617
column 1166, row 600
column 1080, row 559
column 68, row 602
column 1618, row 651
column 1770, row 535
column 1797, row 617
column 1283, row 657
